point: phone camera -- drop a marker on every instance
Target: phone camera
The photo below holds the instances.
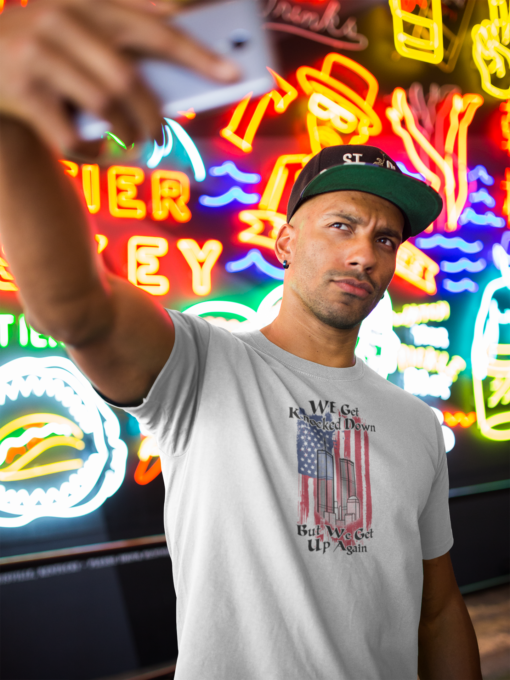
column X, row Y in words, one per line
column 239, row 38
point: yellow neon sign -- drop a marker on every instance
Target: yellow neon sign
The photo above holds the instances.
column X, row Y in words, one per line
column 36, row 419
column 71, row 168
column 505, row 185
column 170, row 195
column 490, row 52
column 122, row 190
column 90, row 183
column 102, row 242
column 454, row 184
column 278, row 179
column 505, row 126
column 16, row 451
column 410, row 45
column 343, row 109
column 417, row 268
column 421, row 313
column 145, row 472
column 280, row 103
column 15, row 471
column 459, row 418
column 431, row 359
column 6, row 278
column 257, row 219
column 143, row 263
column 201, row 261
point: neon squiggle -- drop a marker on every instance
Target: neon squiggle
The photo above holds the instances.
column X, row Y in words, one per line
column 255, row 257
column 229, row 168
column 233, row 194
column 463, row 265
column 480, row 172
column 416, row 175
column 455, row 243
column 482, row 196
column 460, row 286
column 488, row 219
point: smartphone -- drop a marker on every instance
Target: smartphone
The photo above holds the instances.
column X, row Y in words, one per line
column 232, row 28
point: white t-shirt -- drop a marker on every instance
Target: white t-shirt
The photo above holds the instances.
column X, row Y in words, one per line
column 300, row 502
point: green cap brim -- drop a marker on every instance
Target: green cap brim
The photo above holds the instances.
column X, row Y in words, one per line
column 419, row 203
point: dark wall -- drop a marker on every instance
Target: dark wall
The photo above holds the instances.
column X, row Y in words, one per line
column 481, row 531
column 94, row 621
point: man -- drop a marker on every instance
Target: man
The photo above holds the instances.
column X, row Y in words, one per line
column 306, row 497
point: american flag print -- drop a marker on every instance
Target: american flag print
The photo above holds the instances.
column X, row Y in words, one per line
column 333, row 472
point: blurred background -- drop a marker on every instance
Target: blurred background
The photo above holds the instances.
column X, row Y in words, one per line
column 86, row 580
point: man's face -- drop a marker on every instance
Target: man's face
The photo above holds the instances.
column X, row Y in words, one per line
column 342, row 249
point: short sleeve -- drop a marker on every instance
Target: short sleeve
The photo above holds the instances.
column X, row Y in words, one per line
column 168, row 412
column 434, row 522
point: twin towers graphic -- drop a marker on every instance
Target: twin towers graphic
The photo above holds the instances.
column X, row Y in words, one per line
column 337, row 501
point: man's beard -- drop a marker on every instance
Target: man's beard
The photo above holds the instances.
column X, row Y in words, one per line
column 337, row 315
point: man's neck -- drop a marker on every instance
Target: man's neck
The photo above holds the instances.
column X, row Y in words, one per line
column 300, row 332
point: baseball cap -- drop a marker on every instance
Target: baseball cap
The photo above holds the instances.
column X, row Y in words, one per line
column 369, row 169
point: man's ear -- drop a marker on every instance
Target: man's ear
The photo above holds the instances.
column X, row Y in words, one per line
column 285, row 242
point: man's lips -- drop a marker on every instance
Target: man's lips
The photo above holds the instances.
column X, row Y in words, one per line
column 360, row 289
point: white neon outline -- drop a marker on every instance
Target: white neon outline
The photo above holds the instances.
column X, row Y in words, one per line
column 376, row 331
column 191, row 149
column 223, row 306
column 435, row 336
column 58, row 377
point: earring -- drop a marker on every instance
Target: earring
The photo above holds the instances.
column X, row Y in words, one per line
column 285, row 265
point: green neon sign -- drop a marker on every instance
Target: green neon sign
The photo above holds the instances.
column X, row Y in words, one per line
column 15, row 330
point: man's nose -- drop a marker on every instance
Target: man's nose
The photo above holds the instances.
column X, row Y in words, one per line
column 361, row 254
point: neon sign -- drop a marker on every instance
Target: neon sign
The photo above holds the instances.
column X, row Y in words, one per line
column 417, row 268
column 201, row 261
column 311, row 25
column 341, row 110
column 413, row 314
column 435, row 336
column 459, row 418
column 160, row 152
column 490, row 358
column 409, row 45
column 452, row 183
column 280, row 103
column 490, row 52
column 26, row 335
column 6, row 278
column 149, row 463
column 255, row 257
column 217, row 238
column 60, row 484
column 170, row 195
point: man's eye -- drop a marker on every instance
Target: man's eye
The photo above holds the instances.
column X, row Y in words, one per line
column 387, row 242
column 340, row 225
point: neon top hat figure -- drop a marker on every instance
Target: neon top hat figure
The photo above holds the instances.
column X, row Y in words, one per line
column 338, row 114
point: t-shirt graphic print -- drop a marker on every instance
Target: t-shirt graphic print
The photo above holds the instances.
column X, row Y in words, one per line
column 334, row 499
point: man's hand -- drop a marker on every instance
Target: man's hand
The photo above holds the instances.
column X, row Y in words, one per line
column 82, row 52
column 447, row 642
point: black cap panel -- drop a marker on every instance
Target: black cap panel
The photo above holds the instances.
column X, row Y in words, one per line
column 368, row 169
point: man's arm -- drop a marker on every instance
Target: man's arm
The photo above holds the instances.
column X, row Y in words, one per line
column 53, row 52
column 447, row 644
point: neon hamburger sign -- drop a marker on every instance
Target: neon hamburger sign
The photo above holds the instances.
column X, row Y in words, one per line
column 60, row 449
